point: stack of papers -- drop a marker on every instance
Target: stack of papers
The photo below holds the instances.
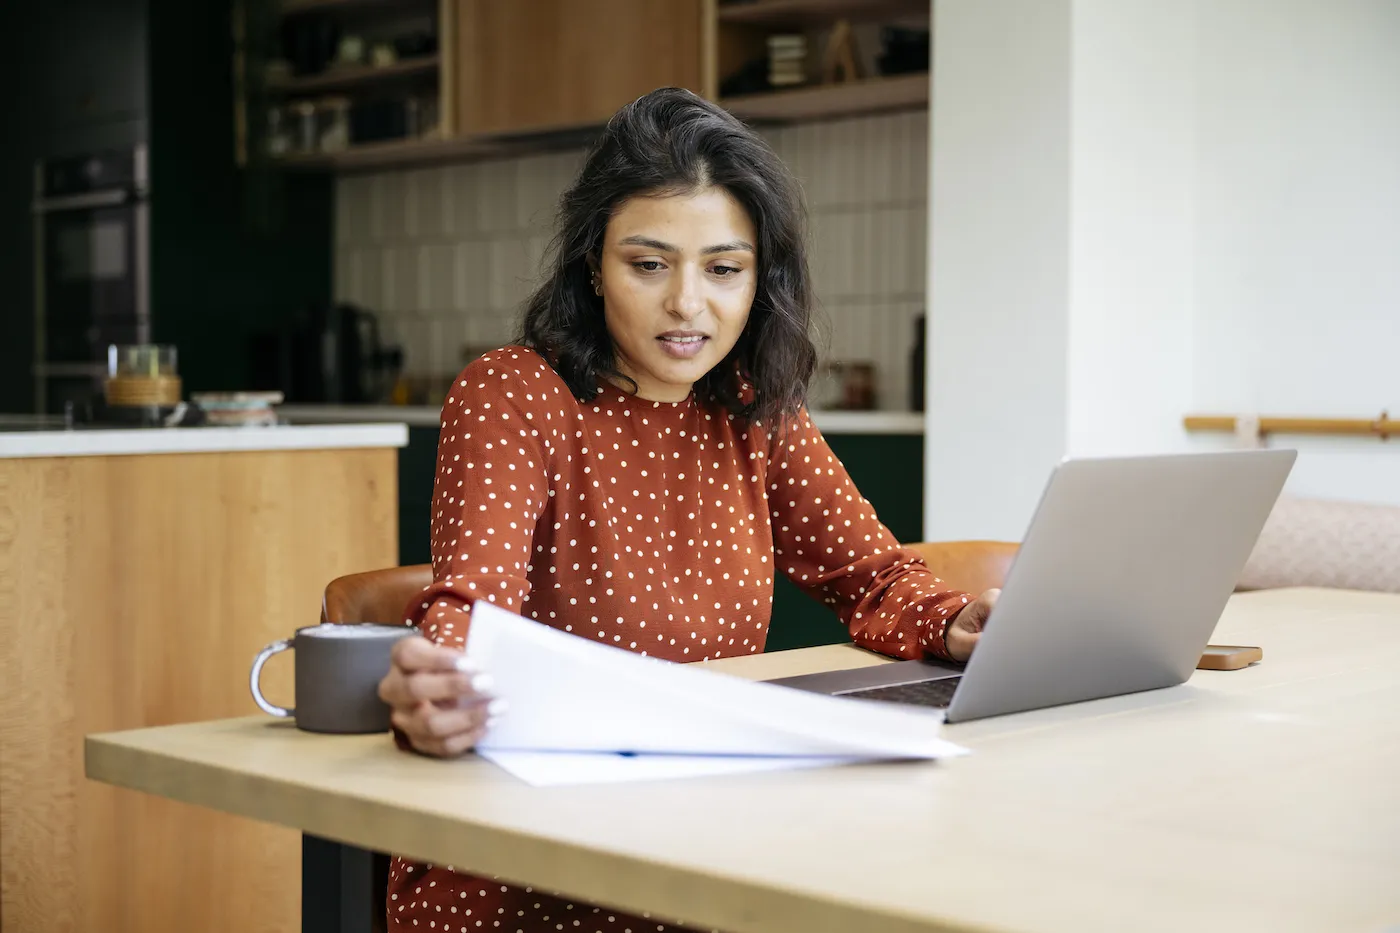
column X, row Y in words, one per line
column 580, row 711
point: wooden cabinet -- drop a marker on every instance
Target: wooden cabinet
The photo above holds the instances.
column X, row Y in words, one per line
column 136, row 591
column 529, row 65
column 515, row 76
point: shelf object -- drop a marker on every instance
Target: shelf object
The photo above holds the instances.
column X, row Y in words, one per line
column 1383, row 427
column 353, row 76
column 825, row 101
column 789, row 13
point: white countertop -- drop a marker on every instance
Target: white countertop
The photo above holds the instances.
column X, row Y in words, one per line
column 426, row 416
column 84, row 442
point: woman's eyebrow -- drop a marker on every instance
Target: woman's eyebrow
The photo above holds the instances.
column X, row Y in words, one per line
column 735, row 247
column 738, row 246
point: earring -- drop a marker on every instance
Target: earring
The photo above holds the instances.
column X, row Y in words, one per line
column 597, row 285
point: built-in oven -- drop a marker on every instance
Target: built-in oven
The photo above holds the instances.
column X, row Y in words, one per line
column 92, row 267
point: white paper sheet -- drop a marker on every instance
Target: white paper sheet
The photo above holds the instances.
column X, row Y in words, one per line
column 572, row 694
column 549, row 769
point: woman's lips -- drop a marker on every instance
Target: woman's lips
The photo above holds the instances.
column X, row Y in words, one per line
column 682, row 346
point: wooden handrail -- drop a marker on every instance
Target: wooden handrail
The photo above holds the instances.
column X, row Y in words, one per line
column 1382, row 427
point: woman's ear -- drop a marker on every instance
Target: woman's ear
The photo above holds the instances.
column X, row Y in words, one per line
column 593, row 278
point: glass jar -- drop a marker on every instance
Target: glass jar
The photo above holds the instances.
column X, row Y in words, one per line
column 142, row 375
column 142, row 359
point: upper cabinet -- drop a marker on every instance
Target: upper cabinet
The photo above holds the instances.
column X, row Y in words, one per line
column 353, row 84
column 532, row 65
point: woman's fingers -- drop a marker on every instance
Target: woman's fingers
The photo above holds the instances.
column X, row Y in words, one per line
column 430, row 719
column 406, row 689
column 438, row 698
column 422, row 671
column 458, row 744
column 436, row 730
column 416, row 653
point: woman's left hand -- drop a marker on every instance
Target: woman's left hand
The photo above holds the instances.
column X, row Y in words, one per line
column 966, row 628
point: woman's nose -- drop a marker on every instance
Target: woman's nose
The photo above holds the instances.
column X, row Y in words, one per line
column 685, row 298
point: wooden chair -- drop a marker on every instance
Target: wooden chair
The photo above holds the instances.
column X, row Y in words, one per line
column 378, row 596
column 974, row 566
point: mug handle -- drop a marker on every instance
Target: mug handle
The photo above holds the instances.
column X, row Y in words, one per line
column 256, row 676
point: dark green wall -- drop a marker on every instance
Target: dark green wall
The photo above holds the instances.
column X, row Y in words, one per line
column 417, row 463
column 233, row 251
column 887, row 469
column 72, row 79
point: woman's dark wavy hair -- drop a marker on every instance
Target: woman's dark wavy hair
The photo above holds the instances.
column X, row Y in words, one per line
column 673, row 142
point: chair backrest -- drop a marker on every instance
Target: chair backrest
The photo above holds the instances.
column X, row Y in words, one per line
column 974, row 566
column 378, row 596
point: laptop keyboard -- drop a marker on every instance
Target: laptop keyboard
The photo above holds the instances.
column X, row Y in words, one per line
column 935, row 693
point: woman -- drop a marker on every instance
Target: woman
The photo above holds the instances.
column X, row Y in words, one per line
column 636, row 469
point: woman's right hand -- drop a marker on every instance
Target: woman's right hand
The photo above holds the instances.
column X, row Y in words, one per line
column 439, row 700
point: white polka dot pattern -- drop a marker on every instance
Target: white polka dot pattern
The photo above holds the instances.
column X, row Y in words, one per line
column 650, row 526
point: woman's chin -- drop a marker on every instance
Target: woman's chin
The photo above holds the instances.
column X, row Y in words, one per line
column 675, row 378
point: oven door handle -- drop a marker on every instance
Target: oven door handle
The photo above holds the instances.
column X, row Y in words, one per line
column 84, row 201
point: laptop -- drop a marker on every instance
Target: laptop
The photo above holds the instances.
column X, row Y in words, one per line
column 1124, row 571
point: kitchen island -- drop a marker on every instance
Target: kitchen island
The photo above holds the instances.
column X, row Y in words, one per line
column 140, row 572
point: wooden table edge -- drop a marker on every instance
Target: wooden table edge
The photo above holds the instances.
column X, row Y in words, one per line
column 667, row 891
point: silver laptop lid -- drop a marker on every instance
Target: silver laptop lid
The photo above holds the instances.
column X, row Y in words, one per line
column 1121, row 578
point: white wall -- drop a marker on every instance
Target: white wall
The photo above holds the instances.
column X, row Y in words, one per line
column 1298, row 232
column 999, row 282
column 1230, row 185
column 1131, row 226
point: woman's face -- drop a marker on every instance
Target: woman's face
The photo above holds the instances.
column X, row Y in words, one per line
column 678, row 275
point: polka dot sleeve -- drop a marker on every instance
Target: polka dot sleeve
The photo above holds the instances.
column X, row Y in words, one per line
column 828, row 540
column 488, row 493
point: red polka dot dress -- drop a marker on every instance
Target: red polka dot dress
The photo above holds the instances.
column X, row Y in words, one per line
column 650, row 526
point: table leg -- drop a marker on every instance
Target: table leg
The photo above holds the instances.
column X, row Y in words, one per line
column 339, row 893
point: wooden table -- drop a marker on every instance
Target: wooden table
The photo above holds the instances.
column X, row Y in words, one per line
column 1266, row 799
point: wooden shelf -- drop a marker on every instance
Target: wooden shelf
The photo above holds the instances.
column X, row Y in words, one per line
column 823, row 101
column 790, row 13
column 388, row 154
column 810, row 103
column 399, row 153
column 351, row 76
column 291, row 7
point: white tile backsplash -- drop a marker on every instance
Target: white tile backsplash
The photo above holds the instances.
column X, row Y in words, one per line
column 388, row 209
column 437, row 277
column 446, row 255
column 429, row 207
column 401, row 277
column 472, row 280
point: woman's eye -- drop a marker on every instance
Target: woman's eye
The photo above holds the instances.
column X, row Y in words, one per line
column 725, row 271
column 647, row 265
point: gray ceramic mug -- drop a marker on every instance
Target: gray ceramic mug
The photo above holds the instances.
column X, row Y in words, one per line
column 338, row 669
